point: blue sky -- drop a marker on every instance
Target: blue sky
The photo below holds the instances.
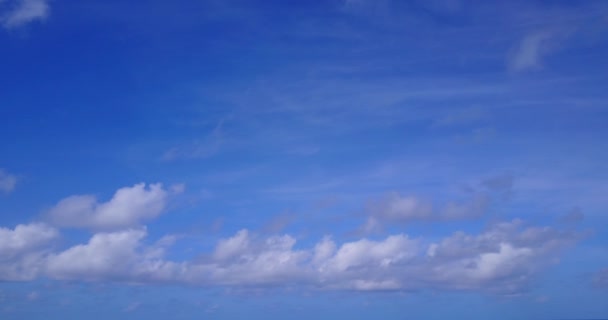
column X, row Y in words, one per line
column 331, row 159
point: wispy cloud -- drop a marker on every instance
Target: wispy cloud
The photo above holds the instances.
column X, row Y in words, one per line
column 531, row 51
column 396, row 208
column 8, row 181
column 18, row 13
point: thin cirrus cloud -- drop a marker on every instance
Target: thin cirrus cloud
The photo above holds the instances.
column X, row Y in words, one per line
column 129, row 207
column 18, row 13
column 8, row 181
column 530, row 52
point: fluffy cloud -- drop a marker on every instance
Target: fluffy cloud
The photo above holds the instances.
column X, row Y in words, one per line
column 21, row 12
column 502, row 259
column 128, row 207
column 117, row 256
column 248, row 260
column 23, row 250
column 7, row 181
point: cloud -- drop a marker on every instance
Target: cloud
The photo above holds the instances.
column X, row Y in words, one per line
column 363, row 264
column 533, row 48
column 7, row 181
column 129, row 207
column 396, row 208
column 502, row 259
column 22, row 12
column 114, row 256
column 23, row 250
column 248, row 260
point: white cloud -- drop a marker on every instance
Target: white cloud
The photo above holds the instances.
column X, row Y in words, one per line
column 117, row 256
column 502, row 259
column 129, row 207
column 247, row 260
column 365, row 253
column 25, row 238
column 7, row 181
column 22, row 12
column 22, row 250
column 106, row 255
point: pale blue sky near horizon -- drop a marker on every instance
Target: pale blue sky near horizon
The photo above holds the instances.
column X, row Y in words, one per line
column 332, row 159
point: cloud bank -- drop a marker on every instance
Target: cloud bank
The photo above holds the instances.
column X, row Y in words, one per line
column 502, row 259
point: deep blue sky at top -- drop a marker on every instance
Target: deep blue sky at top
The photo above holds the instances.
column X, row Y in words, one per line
column 313, row 119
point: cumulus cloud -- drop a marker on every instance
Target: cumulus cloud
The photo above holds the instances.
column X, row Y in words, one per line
column 21, row 12
column 23, row 250
column 115, row 256
column 248, row 260
column 7, row 181
column 502, row 259
column 129, row 207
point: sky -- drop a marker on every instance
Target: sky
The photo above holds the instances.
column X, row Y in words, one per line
column 354, row 159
